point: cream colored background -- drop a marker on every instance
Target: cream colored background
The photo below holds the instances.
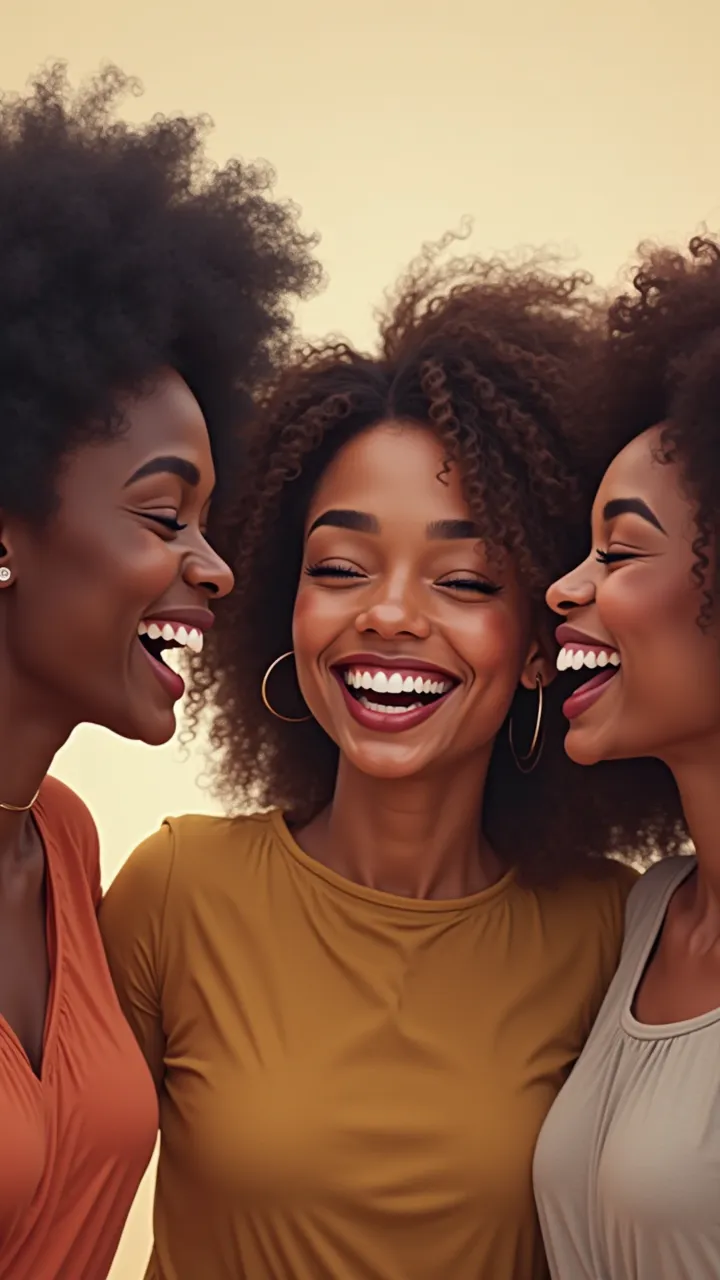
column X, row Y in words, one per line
column 586, row 126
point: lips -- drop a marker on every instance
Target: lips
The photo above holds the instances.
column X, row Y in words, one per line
column 580, row 651
column 164, row 629
column 391, row 695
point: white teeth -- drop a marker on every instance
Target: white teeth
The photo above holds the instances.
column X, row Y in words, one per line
column 391, row 711
column 189, row 638
column 577, row 658
column 393, row 682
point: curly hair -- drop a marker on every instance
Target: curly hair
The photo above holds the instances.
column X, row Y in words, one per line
column 662, row 365
column 493, row 358
column 122, row 250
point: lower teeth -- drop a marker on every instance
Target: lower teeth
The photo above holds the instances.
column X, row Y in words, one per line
column 377, row 706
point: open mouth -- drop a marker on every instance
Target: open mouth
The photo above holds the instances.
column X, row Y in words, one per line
column 582, row 657
column 392, row 699
column 157, row 638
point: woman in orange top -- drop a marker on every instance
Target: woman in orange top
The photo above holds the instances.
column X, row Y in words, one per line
column 359, row 1007
column 136, row 293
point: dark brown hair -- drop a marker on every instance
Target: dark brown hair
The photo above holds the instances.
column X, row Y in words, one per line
column 492, row 358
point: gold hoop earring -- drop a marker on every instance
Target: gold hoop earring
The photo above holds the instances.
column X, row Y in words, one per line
column 527, row 763
column 263, row 692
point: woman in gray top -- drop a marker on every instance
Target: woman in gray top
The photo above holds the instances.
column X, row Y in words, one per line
column 627, row 1168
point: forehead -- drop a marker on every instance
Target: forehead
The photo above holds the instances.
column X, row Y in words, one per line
column 167, row 420
column 639, row 471
column 394, row 470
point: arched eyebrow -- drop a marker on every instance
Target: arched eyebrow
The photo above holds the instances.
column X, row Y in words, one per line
column 170, row 465
column 361, row 522
column 631, row 507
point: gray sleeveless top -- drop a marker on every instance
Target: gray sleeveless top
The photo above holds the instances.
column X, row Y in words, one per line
column 627, row 1166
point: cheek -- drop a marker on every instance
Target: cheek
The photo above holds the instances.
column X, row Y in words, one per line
column 89, row 592
column 318, row 618
column 492, row 642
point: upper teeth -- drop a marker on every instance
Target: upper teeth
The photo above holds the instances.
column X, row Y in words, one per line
column 169, row 631
column 577, row 658
column 393, row 682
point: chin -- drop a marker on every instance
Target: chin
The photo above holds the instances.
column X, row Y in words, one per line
column 581, row 749
column 154, row 730
column 387, row 764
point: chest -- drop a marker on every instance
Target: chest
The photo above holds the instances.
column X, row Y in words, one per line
column 677, row 984
column 377, row 1073
column 24, row 962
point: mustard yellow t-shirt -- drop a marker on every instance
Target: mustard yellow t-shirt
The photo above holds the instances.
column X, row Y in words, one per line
column 351, row 1083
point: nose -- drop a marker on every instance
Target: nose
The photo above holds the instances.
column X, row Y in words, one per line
column 394, row 612
column 574, row 591
column 207, row 571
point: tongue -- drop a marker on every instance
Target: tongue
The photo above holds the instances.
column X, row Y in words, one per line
column 602, row 677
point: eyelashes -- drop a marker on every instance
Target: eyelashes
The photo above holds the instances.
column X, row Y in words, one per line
column 330, row 571
column 470, row 585
column 167, row 522
column 614, row 557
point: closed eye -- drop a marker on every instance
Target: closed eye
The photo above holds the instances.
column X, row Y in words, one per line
column 476, row 586
column 171, row 523
column 615, row 557
column 332, row 571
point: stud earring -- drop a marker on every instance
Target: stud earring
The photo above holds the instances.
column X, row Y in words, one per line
column 5, row 573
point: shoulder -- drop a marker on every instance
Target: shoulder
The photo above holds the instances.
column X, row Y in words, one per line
column 583, row 915
column 186, row 853
column 655, row 887
column 69, row 821
column 598, row 893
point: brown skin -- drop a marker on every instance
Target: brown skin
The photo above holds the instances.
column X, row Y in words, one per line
column 405, row 815
column 665, row 700
column 69, row 652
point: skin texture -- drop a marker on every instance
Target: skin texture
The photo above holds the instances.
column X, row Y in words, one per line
column 492, row 360
column 666, row 695
column 144, row 296
column 69, row 651
column 415, row 795
column 665, row 700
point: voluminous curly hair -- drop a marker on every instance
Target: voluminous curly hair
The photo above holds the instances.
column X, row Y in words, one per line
column 123, row 250
column 661, row 364
column 493, row 359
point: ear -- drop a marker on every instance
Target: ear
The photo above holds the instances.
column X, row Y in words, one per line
column 6, row 569
column 540, row 659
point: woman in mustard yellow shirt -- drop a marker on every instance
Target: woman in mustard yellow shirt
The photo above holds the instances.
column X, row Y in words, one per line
column 359, row 1006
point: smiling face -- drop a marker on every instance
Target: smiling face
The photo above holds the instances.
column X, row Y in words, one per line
column 409, row 644
column 119, row 570
column 631, row 614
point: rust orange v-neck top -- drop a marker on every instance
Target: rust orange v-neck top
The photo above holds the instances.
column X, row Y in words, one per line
column 351, row 1083
column 75, row 1141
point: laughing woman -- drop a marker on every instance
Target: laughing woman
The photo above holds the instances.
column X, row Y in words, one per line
column 136, row 293
column 628, row 1165
column 359, row 1005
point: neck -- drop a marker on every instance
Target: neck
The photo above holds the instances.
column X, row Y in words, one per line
column 28, row 743
column 696, row 775
column 415, row 837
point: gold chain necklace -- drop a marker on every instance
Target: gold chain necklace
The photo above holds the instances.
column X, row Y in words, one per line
column 20, row 808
